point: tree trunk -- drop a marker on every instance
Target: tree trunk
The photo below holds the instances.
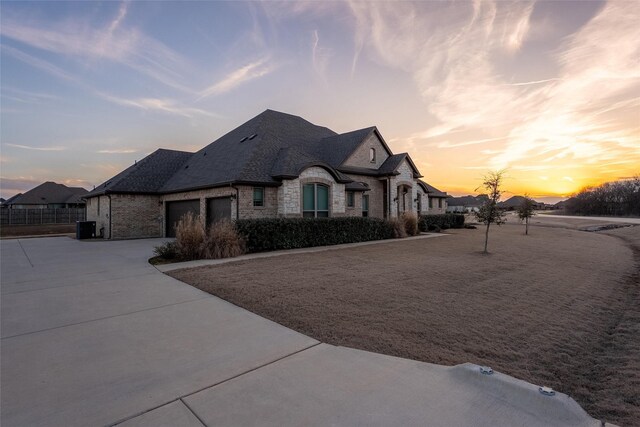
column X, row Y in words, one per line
column 486, row 237
column 526, row 227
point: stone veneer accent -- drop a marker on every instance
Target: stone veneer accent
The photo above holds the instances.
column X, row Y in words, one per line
column 290, row 193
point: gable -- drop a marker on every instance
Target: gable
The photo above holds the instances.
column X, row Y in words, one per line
column 360, row 157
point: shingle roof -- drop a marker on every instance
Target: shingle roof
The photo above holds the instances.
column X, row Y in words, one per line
column 431, row 190
column 232, row 158
column 264, row 150
column 146, row 176
column 49, row 192
column 337, row 148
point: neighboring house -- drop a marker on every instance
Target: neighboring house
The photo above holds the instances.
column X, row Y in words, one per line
column 437, row 199
column 5, row 203
column 48, row 195
column 274, row 165
column 466, row 204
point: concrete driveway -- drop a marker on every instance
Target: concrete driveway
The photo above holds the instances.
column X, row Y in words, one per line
column 94, row 335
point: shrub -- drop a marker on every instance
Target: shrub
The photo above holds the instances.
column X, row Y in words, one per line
column 167, row 250
column 222, row 241
column 434, row 228
column 410, row 221
column 443, row 221
column 268, row 234
column 397, row 225
column 190, row 236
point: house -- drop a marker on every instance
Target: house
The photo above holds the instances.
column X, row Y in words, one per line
column 466, row 204
column 274, row 165
column 437, row 199
column 48, row 195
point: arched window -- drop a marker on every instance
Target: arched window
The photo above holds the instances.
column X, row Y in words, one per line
column 372, row 155
column 315, row 201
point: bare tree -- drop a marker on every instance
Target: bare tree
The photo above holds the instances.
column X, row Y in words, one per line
column 489, row 213
column 525, row 211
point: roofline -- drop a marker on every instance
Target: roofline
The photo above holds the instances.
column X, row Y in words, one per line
column 183, row 190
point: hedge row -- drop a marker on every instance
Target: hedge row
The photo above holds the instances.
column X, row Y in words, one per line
column 269, row 234
column 440, row 221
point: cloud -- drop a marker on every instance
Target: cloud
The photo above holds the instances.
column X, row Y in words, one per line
column 162, row 105
column 320, row 56
column 80, row 39
column 238, row 77
column 118, row 151
column 455, row 52
column 28, row 147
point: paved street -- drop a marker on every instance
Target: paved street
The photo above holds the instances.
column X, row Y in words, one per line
column 94, row 335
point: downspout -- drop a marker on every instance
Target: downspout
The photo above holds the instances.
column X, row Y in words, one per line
column 237, row 201
column 388, row 198
column 110, row 235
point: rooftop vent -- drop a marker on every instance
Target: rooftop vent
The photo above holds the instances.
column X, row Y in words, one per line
column 244, row 139
column 205, row 153
column 253, row 136
column 186, row 167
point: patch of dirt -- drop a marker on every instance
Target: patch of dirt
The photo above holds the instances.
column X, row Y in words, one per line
column 558, row 307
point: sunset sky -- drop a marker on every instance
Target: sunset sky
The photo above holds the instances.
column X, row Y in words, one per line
column 549, row 91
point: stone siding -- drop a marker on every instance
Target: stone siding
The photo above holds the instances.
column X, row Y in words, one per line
column 360, row 157
column 290, row 193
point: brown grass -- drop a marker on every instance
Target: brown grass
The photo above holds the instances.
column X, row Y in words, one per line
column 190, row 237
column 223, row 241
column 399, row 230
column 410, row 221
column 559, row 307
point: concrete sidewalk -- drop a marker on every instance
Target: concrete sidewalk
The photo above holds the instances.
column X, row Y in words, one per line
column 94, row 335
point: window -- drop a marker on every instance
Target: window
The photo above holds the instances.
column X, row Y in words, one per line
column 350, row 199
column 98, row 206
column 315, row 201
column 258, row 196
column 430, row 203
column 440, row 203
column 419, row 203
column 372, row 155
column 365, row 205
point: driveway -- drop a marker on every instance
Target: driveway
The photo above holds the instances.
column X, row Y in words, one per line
column 94, row 335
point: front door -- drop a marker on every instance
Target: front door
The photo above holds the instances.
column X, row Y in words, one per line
column 218, row 208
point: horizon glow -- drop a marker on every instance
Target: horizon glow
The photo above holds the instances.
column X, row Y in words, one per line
column 549, row 91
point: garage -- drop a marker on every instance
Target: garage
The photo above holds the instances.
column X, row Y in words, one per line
column 176, row 210
column 218, row 208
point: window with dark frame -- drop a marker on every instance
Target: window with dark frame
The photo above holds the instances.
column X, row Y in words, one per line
column 258, row 196
column 351, row 200
column 430, row 203
column 98, row 205
column 315, row 201
column 440, row 203
column 365, row 205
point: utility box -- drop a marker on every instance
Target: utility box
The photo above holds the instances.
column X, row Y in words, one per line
column 85, row 229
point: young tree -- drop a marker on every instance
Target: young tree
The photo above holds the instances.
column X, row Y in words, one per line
column 489, row 213
column 525, row 211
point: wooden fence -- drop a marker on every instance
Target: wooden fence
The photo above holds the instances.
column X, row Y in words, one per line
column 41, row 216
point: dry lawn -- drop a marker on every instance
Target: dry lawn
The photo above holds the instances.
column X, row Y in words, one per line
column 559, row 307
